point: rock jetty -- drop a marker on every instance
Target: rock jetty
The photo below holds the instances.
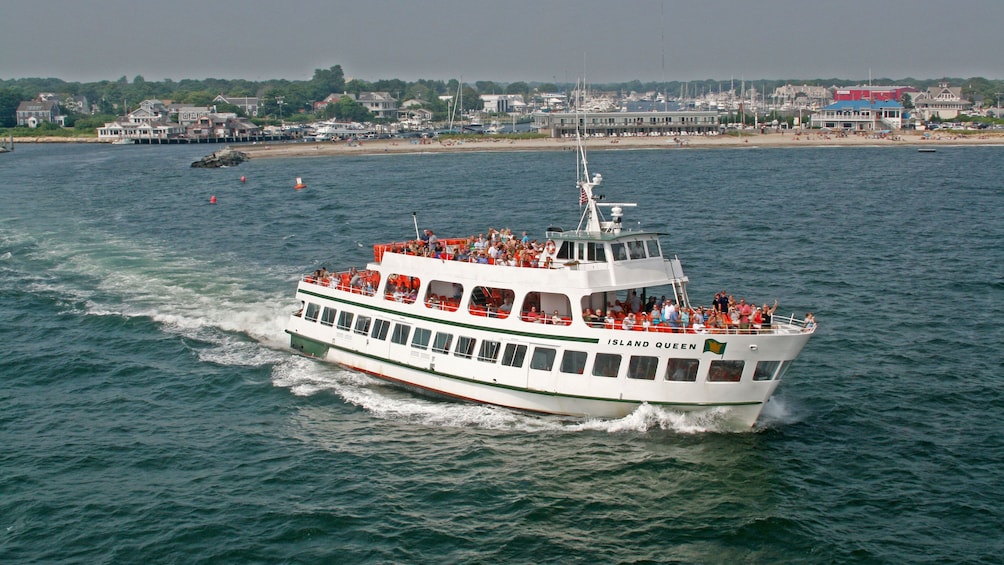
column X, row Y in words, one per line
column 225, row 157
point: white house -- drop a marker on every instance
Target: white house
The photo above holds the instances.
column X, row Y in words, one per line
column 860, row 115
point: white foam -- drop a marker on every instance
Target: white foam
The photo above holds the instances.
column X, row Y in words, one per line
column 306, row 377
column 99, row 275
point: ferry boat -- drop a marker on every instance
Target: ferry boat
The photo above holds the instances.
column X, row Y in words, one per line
column 546, row 326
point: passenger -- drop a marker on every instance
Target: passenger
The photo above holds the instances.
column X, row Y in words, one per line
column 673, row 321
column 556, row 318
column 609, row 321
column 598, row 319
column 656, row 316
column 634, row 302
column 533, row 316
column 629, row 321
column 768, row 315
column 810, row 321
column 745, row 312
column 505, row 308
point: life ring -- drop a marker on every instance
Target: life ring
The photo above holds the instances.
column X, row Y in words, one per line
column 549, row 247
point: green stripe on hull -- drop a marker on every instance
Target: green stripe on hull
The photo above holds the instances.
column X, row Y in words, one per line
column 308, row 346
column 297, row 339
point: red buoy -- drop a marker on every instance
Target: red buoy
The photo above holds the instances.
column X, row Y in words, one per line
column 299, row 184
column 243, row 179
column 212, row 199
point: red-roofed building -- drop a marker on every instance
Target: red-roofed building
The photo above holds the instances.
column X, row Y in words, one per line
column 877, row 93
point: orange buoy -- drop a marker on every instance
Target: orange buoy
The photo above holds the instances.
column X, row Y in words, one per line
column 299, row 184
column 243, row 179
column 212, row 199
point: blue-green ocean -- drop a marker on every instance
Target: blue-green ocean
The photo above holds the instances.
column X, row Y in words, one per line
column 151, row 412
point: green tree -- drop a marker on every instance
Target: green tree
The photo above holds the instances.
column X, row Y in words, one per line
column 518, row 88
column 906, row 101
column 10, row 98
column 348, row 109
column 325, row 82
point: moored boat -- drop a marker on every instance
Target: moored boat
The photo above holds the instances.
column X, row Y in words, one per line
column 565, row 326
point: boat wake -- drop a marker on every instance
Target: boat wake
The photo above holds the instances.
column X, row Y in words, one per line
column 200, row 300
column 308, row 377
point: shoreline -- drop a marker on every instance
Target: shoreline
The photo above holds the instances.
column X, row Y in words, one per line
column 752, row 140
column 769, row 140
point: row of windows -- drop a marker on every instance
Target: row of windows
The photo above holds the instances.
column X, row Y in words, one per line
column 643, row 367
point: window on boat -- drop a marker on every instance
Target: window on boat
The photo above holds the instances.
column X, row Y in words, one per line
column 420, row 340
column 311, row 313
column 726, row 371
column 642, row 367
column 489, row 351
column 543, row 358
column 328, row 316
column 564, row 250
column 653, row 248
column 573, row 362
column 785, row 365
column 513, row 355
column 400, row 334
column 442, row 342
column 683, row 370
column 493, row 302
column 619, row 251
column 606, row 365
column 465, row 347
column 443, row 295
column 595, row 252
column 539, row 307
column 363, row 325
column 402, row 288
column 345, row 320
column 380, row 328
column 636, row 249
column 765, row 370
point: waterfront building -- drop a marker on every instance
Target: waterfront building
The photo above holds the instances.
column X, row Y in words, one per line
column 860, row 115
column 883, row 93
column 943, row 102
column 563, row 124
column 802, row 96
column 247, row 104
column 187, row 114
column 381, row 104
column 32, row 113
column 503, row 103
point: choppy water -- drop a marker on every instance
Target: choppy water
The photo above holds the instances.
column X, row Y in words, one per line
column 150, row 412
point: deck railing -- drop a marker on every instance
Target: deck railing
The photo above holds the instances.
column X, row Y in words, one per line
column 780, row 324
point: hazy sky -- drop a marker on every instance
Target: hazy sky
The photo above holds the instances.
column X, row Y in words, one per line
column 502, row 40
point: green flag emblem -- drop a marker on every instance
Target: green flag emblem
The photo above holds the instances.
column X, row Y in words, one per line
column 716, row 347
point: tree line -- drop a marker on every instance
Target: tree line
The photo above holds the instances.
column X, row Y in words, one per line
column 294, row 100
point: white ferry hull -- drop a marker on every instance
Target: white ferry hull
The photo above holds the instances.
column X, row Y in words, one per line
column 737, row 405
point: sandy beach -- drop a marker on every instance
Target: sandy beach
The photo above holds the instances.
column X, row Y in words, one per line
column 312, row 149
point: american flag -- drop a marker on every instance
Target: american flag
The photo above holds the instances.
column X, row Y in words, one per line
column 583, row 197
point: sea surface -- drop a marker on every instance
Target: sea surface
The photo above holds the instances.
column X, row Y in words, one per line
column 151, row 411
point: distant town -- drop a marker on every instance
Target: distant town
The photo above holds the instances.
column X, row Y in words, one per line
column 331, row 108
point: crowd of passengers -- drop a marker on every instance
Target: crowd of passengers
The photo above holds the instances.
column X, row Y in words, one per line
column 726, row 315
column 499, row 247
